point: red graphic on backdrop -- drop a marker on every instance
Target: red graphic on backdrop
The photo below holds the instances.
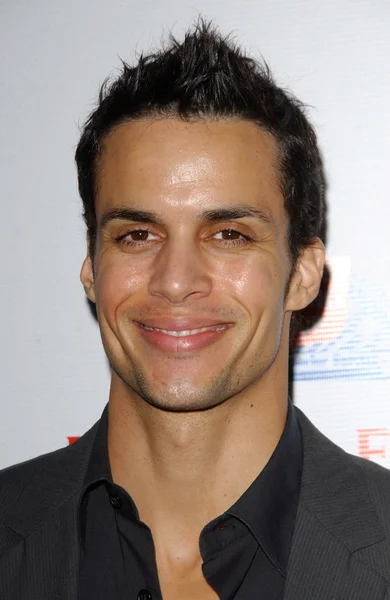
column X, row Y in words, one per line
column 374, row 443
column 71, row 439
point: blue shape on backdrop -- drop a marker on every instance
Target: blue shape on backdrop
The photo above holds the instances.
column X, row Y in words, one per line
column 361, row 350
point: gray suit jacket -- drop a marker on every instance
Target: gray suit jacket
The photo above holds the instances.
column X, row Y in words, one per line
column 340, row 549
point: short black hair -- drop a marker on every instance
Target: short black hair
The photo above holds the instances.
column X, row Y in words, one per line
column 208, row 76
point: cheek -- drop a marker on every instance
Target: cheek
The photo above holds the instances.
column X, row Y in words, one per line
column 256, row 284
column 116, row 281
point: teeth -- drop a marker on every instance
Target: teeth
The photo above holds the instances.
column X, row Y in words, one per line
column 185, row 332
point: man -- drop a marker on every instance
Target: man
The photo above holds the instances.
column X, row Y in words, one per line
column 203, row 197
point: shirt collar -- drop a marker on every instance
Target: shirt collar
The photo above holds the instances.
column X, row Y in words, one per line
column 99, row 466
column 269, row 506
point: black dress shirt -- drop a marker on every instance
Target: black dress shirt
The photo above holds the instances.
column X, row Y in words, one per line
column 245, row 550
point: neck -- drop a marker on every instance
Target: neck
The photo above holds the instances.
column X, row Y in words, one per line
column 177, row 465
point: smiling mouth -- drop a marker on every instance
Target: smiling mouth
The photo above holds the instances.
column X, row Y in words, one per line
column 186, row 332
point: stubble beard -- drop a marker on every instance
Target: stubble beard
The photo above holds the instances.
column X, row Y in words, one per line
column 180, row 395
column 183, row 395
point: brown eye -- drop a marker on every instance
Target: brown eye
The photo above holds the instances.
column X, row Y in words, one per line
column 230, row 234
column 231, row 238
column 139, row 236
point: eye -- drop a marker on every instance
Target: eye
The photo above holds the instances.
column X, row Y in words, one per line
column 139, row 235
column 231, row 237
column 136, row 237
column 228, row 234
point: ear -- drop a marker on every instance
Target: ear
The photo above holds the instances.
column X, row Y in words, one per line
column 306, row 279
column 87, row 278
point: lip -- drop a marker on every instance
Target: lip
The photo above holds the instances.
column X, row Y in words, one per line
column 183, row 344
column 182, row 324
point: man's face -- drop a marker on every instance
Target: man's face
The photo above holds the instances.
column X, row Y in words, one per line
column 191, row 263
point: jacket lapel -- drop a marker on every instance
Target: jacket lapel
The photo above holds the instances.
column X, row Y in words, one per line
column 336, row 521
column 322, row 568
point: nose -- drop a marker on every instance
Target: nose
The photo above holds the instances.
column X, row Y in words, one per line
column 180, row 271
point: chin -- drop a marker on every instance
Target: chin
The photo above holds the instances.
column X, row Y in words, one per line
column 173, row 393
column 180, row 396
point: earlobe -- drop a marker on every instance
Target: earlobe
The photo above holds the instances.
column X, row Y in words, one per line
column 306, row 280
column 87, row 278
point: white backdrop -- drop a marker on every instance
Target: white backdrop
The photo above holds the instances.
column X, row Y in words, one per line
column 54, row 55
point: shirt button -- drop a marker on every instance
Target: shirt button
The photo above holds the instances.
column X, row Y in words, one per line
column 144, row 595
column 115, row 501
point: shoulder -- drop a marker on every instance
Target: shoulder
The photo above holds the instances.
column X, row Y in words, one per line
column 335, row 472
column 63, row 468
column 377, row 479
column 318, row 446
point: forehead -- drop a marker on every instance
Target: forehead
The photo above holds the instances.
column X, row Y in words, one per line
column 155, row 161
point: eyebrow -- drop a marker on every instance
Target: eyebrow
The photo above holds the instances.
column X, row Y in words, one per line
column 128, row 214
column 235, row 212
column 228, row 213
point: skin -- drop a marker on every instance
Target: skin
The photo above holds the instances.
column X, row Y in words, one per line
column 190, row 429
